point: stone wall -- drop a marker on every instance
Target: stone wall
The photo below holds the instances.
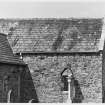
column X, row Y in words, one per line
column 45, row 71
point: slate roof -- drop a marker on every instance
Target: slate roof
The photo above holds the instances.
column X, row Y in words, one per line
column 46, row 35
column 6, row 53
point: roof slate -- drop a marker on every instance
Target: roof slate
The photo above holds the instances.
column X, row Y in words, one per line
column 46, row 35
column 6, row 53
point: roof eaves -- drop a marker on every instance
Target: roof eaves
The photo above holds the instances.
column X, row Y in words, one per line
column 13, row 63
column 60, row 53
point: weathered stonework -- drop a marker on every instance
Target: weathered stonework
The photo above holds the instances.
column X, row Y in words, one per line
column 46, row 71
column 43, row 35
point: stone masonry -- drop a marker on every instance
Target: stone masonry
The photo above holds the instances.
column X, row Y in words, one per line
column 45, row 71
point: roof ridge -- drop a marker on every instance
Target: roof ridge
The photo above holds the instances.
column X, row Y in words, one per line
column 52, row 18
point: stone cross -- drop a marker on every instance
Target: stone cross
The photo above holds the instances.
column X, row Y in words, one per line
column 9, row 96
column 69, row 88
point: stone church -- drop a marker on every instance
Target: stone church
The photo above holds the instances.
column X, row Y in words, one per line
column 49, row 45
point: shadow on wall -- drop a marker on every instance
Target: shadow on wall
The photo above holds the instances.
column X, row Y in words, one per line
column 27, row 92
column 78, row 96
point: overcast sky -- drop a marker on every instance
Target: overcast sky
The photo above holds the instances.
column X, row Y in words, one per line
column 51, row 9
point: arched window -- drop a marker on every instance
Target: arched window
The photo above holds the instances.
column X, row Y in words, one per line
column 64, row 79
column 67, row 75
column 72, row 86
column 65, row 82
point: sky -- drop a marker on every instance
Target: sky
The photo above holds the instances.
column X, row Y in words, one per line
column 53, row 9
